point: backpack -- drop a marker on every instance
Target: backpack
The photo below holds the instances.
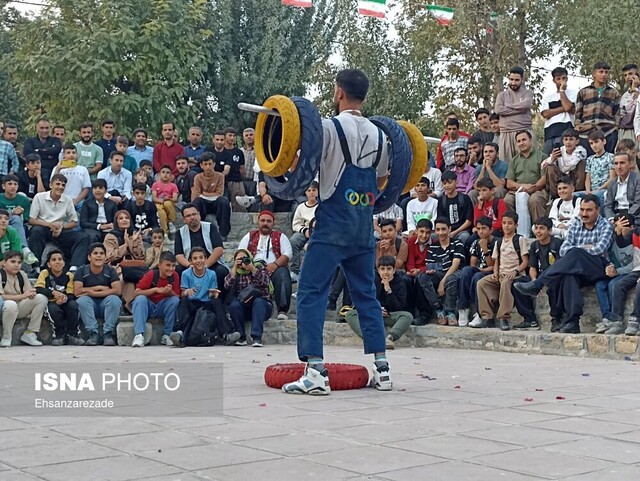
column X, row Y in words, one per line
column 156, row 278
column 202, row 330
column 516, row 246
column 3, row 274
column 574, row 201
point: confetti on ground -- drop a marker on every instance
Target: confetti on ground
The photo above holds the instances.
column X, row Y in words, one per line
column 528, row 399
column 538, row 389
column 487, row 369
column 255, row 362
column 585, row 374
column 560, row 398
column 429, row 378
column 456, row 387
column 627, row 358
column 263, row 405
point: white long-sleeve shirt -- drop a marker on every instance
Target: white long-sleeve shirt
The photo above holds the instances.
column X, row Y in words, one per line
column 417, row 210
column 264, row 251
column 566, row 213
column 303, row 216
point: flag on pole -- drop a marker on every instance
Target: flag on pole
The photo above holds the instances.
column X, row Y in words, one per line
column 372, row 8
column 443, row 15
column 298, row 3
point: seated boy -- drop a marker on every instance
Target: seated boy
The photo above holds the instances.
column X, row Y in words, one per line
column 544, row 251
column 9, row 239
column 18, row 208
column 566, row 209
column 510, row 261
column 56, row 284
column 158, row 246
column 143, row 212
column 456, row 207
column 20, row 300
column 566, row 161
column 417, row 250
column 199, row 289
column 422, row 207
column 439, row 282
column 390, row 244
column 157, row 295
column 391, row 292
column 489, row 206
column 480, row 265
column 98, row 213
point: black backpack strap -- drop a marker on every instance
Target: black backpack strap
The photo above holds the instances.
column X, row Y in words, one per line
column 379, row 154
column 156, row 278
column 495, row 207
column 398, row 244
column 3, row 274
column 343, row 141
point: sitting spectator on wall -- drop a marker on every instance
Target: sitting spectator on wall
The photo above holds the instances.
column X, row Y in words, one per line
column 391, row 292
column 492, row 168
column 394, row 213
column 158, row 246
column 208, row 195
column 418, row 248
column 30, row 180
column 157, row 295
column 456, row 207
column 97, row 214
column 488, row 206
column 53, row 218
column 466, row 174
column 391, row 245
column 46, row 147
column 122, row 145
column 18, row 207
column 123, row 241
column 78, row 179
column 452, row 141
column 623, row 194
column 567, row 160
column 566, row 209
column 9, row 238
column 274, row 248
column 165, row 195
column 302, row 218
column 599, row 167
column 56, row 284
column 118, row 179
column 97, row 288
column 422, row 207
column 143, row 211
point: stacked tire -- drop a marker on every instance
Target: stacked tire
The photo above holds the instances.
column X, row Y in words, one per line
column 295, row 139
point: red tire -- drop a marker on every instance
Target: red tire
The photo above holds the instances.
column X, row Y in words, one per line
column 341, row 376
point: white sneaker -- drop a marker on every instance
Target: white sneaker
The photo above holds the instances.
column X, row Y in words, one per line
column 29, row 257
column 245, row 201
column 30, row 339
column 172, row 228
column 382, row 378
column 476, row 321
column 463, row 317
column 176, row 338
column 283, row 316
column 138, row 341
column 5, row 342
column 312, row 382
column 166, row 340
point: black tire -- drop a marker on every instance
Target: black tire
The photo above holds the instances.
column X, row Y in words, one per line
column 400, row 155
column 311, row 141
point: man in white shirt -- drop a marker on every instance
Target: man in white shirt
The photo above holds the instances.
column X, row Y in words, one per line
column 54, row 218
column 118, row 179
column 557, row 109
column 78, row 178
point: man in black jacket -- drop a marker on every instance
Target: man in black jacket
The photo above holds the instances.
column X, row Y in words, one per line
column 184, row 179
column 47, row 147
column 97, row 214
column 391, row 292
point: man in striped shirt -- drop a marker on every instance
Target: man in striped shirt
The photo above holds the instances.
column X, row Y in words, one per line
column 598, row 107
column 583, row 259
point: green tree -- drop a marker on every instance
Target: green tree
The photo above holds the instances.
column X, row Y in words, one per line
column 136, row 61
column 12, row 106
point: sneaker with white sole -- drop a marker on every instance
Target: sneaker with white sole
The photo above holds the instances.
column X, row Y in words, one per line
column 176, row 338
column 172, row 228
column 240, row 342
column 231, row 338
column 166, row 340
column 282, row 316
column 30, row 258
column 463, row 317
column 257, row 342
column 5, row 342
column 312, row 382
column 632, row 327
column 477, row 321
column 603, row 326
column 30, row 338
column 138, row 341
column 382, row 378
column 245, row 201
column 390, row 345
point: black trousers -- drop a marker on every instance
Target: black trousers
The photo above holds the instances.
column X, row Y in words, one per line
column 187, row 310
column 526, row 305
column 74, row 244
column 338, row 286
column 64, row 317
column 221, row 272
column 222, row 210
column 281, row 279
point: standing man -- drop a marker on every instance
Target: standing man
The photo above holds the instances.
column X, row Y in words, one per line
column 108, row 141
column 355, row 162
column 439, row 153
column 628, row 102
column 8, row 159
column 167, row 151
column 598, row 107
column 452, row 143
column 11, row 136
column 195, row 149
column 234, row 159
column 514, row 108
column 250, row 172
column 47, row 147
column 89, row 154
column 140, row 150
column 557, row 110
column 484, row 132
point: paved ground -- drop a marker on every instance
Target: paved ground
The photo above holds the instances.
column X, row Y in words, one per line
column 470, row 421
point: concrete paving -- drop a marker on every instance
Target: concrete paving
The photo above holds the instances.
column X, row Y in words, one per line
column 454, row 415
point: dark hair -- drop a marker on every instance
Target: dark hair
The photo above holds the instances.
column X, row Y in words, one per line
column 623, row 154
column 99, row 183
column 524, row 132
column 475, row 139
column 387, row 261
column 354, row 83
column 494, row 116
column 69, row 146
column 545, row 221
column 571, row 132
column 107, row 122
column 9, row 178
column 94, row 246
column 386, row 222
column 625, row 144
column 122, row 139
column 169, row 122
column 196, row 249
column 449, row 175
column 511, row 215
column 486, row 182
column 52, row 252
column 55, row 126
column 517, row 71
column 11, row 254
column 4, row 212
column 182, row 157
column 591, row 198
column 314, row 185
column 115, row 153
column 167, row 256
column 601, row 64
column 481, row 111
column 86, row 125
column 629, row 66
column 461, row 149
column 485, row 221
column 452, row 121
column 32, row 158
column 10, row 126
column 158, row 230
column 138, row 130
column 556, row 72
column 206, row 157
column 443, row 220
column 217, row 132
column 58, row 177
column 424, row 180
column 424, row 223
column 165, row 167
column 230, row 130
column 146, row 162
column 596, row 135
column 494, row 145
column 140, row 186
column 566, row 179
column 188, row 206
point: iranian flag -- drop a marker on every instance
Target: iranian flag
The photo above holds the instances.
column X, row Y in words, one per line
column 298, row 3
column 372, row 8
column 443, row 15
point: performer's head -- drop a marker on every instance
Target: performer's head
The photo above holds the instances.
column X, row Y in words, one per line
column 350, row 90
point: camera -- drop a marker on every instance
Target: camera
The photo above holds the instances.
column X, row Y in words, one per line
column 246, row 260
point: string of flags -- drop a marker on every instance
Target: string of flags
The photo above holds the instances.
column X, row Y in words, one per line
column 367, row 8
column 443, row 15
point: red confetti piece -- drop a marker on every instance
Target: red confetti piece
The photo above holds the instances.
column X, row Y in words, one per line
column 263, row 405
column 528, row 399
column 456, row 387
column 560, row 398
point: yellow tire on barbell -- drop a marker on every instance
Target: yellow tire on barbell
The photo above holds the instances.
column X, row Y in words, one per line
column 277, row 138
column 420, row 154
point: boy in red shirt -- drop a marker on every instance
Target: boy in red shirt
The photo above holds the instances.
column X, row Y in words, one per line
column 164, row 194
column 417, row 262
column 487, row 206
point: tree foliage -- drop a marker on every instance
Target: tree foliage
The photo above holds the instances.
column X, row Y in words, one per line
column 135, row 62
column 12, row 107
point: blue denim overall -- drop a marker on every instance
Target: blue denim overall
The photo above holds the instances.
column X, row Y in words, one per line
column 343, row 235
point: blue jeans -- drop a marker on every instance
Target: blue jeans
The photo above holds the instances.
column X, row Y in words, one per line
column 259, row 311
column 316, row 276
column 604, row 293
column 143, row 308
column 467, row 284
column 17, row 222
column 106, row 307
